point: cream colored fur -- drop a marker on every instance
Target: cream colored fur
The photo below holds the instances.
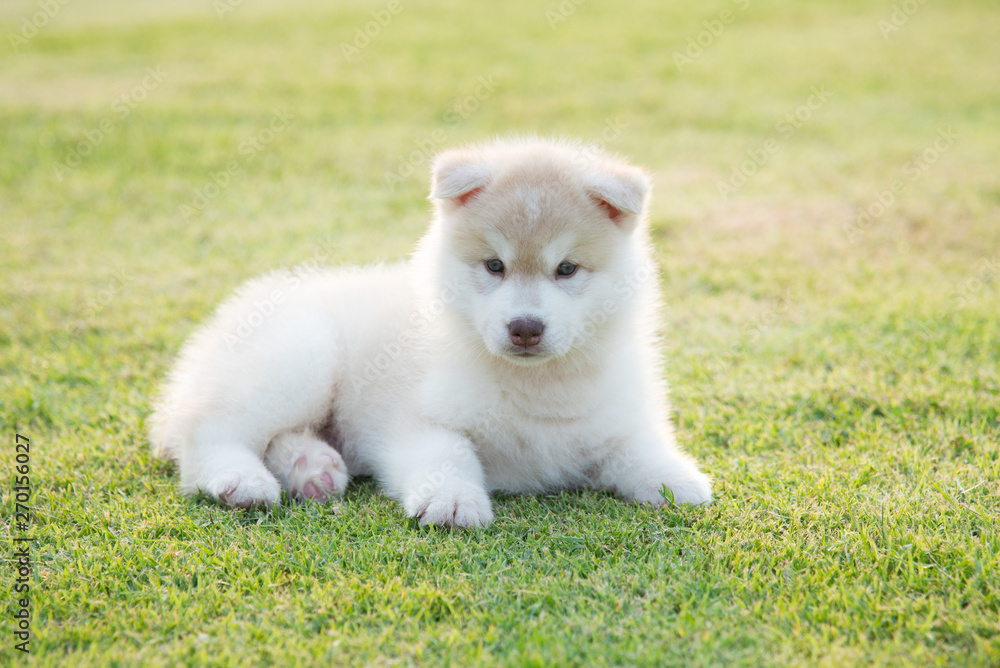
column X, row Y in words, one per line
column 412, row 372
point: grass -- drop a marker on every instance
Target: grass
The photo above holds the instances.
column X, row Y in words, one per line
column 840, row 378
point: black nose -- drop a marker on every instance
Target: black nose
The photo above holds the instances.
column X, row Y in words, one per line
column 525, row 332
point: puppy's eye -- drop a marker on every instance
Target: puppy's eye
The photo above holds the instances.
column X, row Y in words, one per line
column 565, row 269
column 494, row 266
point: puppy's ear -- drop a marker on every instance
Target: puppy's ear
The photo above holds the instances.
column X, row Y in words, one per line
column 459, row 175
column 621, row 191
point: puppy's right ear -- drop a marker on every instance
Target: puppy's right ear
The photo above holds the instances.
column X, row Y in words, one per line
column 459, row 175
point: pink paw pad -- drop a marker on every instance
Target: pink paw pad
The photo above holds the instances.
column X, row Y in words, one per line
column 317, row 478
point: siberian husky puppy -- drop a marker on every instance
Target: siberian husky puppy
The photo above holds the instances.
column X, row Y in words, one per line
column 516, row 351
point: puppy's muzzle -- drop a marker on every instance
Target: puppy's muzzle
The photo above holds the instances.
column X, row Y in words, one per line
column 525, row 332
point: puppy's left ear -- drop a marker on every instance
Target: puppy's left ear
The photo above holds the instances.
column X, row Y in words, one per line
column 620, row 190
column 459, row 175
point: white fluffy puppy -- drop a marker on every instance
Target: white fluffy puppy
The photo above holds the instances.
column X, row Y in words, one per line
column 516, row 351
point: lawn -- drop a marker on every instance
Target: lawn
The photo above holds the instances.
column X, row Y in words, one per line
column 827, row 218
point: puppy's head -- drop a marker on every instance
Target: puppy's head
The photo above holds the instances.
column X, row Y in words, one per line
column 538, row 239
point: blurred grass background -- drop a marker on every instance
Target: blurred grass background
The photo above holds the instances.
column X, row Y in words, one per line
column 839, row 377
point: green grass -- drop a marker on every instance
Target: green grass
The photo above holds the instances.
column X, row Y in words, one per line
column 843, row 390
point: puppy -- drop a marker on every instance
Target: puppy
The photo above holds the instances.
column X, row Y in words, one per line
column 515, row 351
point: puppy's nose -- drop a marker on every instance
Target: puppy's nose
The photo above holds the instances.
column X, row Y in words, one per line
column 525, row 332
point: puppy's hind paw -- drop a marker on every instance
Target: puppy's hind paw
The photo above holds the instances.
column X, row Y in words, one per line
column 318, row 477
column 306, row 467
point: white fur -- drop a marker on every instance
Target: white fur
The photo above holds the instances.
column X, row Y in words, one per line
column 411, row 372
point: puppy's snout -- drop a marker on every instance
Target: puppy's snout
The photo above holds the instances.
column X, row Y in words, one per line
column 525, row 332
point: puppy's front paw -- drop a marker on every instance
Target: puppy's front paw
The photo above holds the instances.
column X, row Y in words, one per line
column 244, row 488
column 694, row 488
column 455, row 504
